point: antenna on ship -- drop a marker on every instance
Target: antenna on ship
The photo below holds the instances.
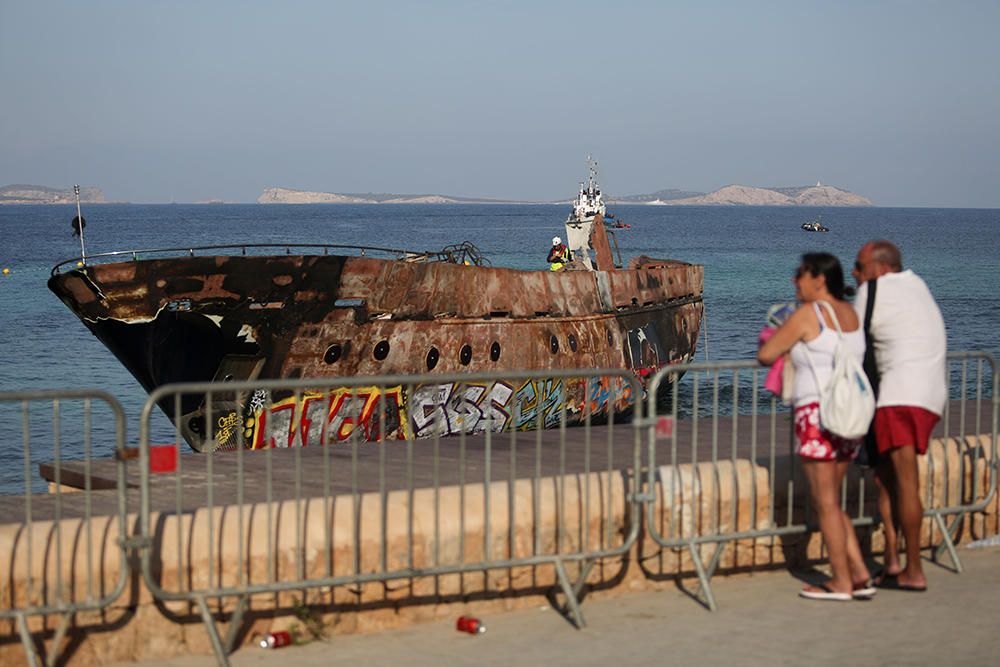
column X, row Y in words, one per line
column 78, row 224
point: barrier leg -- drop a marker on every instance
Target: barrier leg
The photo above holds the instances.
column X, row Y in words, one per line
column 568, row 590
column 235, row 622
column 714, row 563
column 948, row 542
column 221, row 657
column 585, row 569
column 703, row 577
column 29, row 647
column 57, row 641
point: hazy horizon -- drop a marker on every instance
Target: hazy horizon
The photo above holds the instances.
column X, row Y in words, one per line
column 896, row 101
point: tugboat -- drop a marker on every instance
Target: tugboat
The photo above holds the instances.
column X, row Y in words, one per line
column 259, row 312
column 589, row 212
column 588, row 208
column 815, row 225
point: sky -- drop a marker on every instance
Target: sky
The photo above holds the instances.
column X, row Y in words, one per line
column 896, row 100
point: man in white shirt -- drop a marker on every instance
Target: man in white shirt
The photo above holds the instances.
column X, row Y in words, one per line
column 908, row 336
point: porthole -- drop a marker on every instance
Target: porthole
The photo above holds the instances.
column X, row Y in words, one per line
column 495, row 351
column 553, row 344
column 381, row 350
column 611, row 339
column 465, row 356
column 572, row 342
column 432, row 358
column 333, row 353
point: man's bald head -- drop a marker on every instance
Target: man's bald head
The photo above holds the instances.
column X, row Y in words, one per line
column 886, row 252
column 875, row 259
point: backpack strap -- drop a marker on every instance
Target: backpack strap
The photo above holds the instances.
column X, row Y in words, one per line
column 870, row 365
column 833, row 318
column 870, row 306
column 819, row 316
column 836, row 326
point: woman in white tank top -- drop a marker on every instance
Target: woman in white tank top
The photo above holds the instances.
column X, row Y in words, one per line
column 825, row 457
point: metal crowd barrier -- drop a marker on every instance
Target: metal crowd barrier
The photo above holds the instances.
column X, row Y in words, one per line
column 62, row 541
column 427, row 479
column 978, row 465
column 721, row 420
column 374, row 492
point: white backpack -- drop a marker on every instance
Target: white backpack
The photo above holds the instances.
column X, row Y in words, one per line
column 847, row 402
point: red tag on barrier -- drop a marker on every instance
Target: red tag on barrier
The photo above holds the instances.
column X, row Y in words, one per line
column 163, row 458
column 664, row 427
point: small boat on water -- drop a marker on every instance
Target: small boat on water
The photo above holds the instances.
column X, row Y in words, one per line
column 815, row 225
column 255, row 312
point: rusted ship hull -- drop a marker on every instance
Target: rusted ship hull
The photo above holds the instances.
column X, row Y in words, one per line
column 188, row 319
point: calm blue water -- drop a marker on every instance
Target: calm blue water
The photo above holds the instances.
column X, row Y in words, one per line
column 749, row 255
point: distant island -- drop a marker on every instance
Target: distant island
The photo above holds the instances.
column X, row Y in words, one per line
column 39, row 194
column 730, row 195
column 745, row 195
column 289, row 196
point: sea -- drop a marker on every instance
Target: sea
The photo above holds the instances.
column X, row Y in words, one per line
column 749, row 254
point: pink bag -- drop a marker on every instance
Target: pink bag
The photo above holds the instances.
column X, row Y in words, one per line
column 773, row 380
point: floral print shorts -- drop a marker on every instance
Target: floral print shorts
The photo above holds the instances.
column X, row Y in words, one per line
column 818, row 444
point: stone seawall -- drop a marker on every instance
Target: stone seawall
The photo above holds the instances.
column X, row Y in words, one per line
column 318, row 537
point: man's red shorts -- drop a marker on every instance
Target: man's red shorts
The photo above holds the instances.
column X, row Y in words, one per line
column 904, row 426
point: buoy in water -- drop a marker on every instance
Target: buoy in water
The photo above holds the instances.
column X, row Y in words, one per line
column 6, row 271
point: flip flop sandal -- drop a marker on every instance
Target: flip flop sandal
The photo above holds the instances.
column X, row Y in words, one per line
column 891, row 583
column 880, row 575
column 825, row 594
column 864, row 591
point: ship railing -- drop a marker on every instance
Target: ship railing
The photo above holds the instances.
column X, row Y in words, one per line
column 722, row 480
column 418, row 480
column 61, row 543
column 246, row 249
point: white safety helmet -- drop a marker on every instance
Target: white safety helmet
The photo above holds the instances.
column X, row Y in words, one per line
column 556, row 240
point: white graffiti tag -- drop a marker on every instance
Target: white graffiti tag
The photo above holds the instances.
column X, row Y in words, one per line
column 459, row 408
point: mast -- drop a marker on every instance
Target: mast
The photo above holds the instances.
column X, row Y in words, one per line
column 83, row 250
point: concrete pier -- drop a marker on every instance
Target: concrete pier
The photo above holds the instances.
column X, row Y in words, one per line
column 761, row 621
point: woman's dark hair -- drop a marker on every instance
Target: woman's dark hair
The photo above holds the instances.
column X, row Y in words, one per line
column 828, row 266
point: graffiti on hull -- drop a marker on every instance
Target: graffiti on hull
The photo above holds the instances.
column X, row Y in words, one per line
column 395, row 413
column 314, row 418
column 644, row 350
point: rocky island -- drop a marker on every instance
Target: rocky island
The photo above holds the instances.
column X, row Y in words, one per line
column 290, row 196
column 39, row 194
column 744, row 195
column 730, row 195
